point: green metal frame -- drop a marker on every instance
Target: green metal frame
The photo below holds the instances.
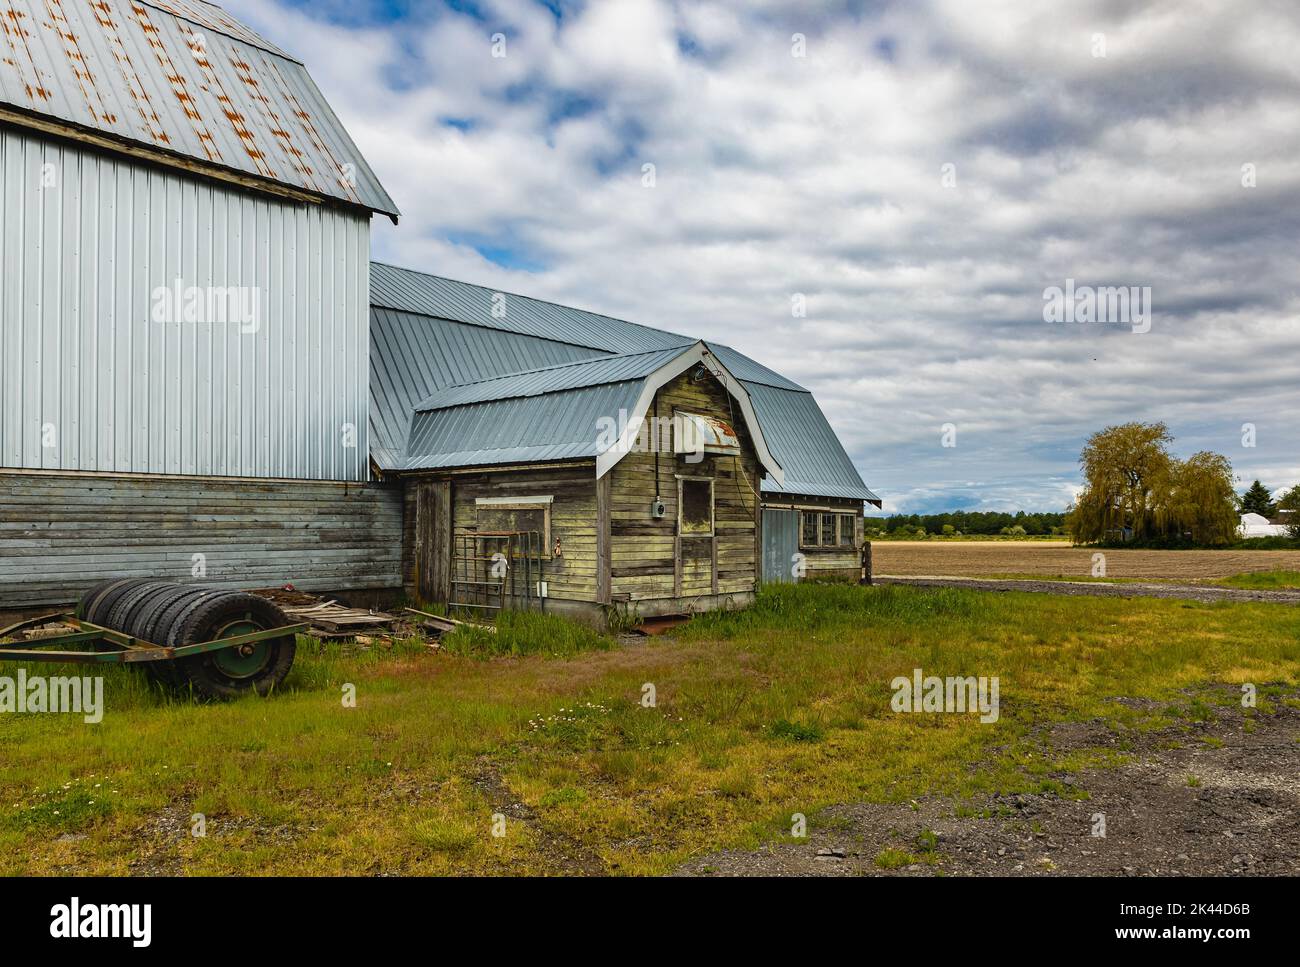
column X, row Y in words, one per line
column 130, row 649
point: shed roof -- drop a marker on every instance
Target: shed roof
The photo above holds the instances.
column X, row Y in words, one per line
column 185, row 82
column 552, row 379
column 553, row 426
column 427, row 331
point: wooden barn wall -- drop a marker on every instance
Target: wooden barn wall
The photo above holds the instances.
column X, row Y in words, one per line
column 573, row 518
column 60, row 534
column 644, row 559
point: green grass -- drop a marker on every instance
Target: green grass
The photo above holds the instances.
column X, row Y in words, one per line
column 408, row 780
column 520, row 633
column 1263, row 580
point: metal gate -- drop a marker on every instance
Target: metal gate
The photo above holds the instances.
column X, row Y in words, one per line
column 780, row 545
column 494, row 570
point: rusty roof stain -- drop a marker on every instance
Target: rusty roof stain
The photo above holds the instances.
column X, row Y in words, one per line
column 184, row 77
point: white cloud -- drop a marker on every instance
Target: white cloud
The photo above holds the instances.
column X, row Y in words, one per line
column 822, row 175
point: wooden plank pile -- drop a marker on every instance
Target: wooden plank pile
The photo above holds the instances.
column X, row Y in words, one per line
column 337, row 621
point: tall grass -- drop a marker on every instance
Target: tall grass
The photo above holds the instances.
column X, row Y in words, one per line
column 810, row 607
column 520, row 633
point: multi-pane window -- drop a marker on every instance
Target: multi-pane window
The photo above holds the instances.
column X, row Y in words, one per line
column 809, row 538
column 820, row 529
column 846, row 530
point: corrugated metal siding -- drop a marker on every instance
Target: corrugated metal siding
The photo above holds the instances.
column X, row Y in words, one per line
column 79, row 262
column 780, row 545
column 61, row 534
column 557, row 426
column 134, row 71
column 413, row 356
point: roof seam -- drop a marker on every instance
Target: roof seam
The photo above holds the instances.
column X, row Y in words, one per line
column 529, row 298
column 555, row 366
column 483, row 325
column 424, row 406
column 266, row 46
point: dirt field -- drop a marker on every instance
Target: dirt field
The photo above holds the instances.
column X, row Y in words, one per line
column 1059, row 559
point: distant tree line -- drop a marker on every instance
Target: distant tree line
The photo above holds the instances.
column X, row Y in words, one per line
column 1135, row 492
column 962, row 522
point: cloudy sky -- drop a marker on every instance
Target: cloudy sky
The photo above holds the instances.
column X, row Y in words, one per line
column 920, row 172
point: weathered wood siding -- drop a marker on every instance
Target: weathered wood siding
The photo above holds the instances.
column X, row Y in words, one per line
column 572, row 575
column 648, row 559
column 60, row 534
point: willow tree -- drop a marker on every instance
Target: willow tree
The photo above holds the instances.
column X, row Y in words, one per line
column 1126, row 474
column 1201, row 503
column 1290, row 501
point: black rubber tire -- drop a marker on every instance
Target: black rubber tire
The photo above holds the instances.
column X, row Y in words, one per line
column 100, row 609
column 96, row 603
column 120, row 615
column 135, row 621
column 207, row 619
column 144, row 622
column 185, row 608
column 88, row 599
column 165, row 623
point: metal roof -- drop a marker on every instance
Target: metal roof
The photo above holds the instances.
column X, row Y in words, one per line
column 800, row 436
column 552, row 379
column 412, row 356
column 186, row 82
column 421, row 350
column 553, row 426
column 430, row 295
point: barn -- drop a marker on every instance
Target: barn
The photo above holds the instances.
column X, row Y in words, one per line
column 184, row 309
column 714, row 472
column 203, row 376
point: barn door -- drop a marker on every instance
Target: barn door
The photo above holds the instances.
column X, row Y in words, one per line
column 433, row 540
column 780, row 544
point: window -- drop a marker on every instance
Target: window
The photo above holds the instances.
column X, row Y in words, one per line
column 821, row 529
column 694, row 507
column 512, row 514
column 809, row 530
